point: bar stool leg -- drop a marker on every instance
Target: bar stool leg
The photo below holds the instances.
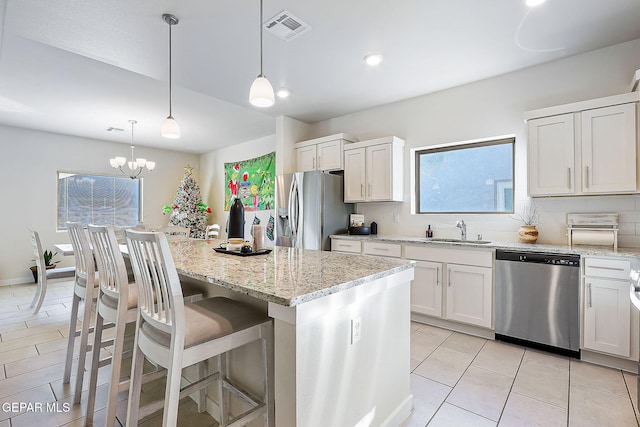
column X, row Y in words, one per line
column 73, row 324
column 202, row 394
column 222, row 397
column 269, row 374
column 82, row 356
column 95, row 365
column 135, row 386
column 172, row 393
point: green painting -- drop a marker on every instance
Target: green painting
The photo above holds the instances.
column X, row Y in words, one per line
column 253, row 181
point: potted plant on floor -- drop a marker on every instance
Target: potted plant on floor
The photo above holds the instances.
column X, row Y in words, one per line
column 49, row 263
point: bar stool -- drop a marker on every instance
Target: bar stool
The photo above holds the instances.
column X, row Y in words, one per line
column 85, row 282
column 175, row 335
column 116, row 303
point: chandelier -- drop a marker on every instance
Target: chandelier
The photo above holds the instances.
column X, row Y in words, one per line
column 135, row 166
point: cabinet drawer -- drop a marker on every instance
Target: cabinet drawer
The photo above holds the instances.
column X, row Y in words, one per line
column 606, row 267
column 339, row 245
column 480, row 258
column 383, row 249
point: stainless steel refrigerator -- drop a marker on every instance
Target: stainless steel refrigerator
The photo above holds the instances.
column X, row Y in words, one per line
column 309, row 208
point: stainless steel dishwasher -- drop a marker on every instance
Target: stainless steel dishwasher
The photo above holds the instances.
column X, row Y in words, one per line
column 538, row 300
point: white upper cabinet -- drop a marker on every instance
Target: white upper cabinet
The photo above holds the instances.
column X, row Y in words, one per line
column 589, row 147
column 322, row 154
column 551, row 155
column 373, row 170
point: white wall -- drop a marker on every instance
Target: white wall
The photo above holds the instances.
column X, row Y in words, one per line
column 28, row 175
column 213, row 182
column 489, row 108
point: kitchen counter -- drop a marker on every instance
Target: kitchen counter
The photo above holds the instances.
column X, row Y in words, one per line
column 286, row 276
column 549, row 248
column 340, row 328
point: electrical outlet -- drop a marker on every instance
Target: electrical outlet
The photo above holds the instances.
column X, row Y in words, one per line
column 356, row 329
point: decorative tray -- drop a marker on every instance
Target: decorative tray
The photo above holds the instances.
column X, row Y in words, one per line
column 260, row 252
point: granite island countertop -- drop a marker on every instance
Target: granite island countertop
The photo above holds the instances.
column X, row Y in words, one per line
column 526, row 247
column 286, row 276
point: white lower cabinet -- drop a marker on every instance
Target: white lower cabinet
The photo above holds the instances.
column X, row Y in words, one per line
column 469, row 294
column 453, row 284
column 607, row 307
column 426, row 289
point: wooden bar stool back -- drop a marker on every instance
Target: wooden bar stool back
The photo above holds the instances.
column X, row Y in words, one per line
column 83, row 289
column 176, row 335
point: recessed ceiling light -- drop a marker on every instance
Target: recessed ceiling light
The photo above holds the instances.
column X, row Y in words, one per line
column 534, row 3
column 283, row 93
column 373, row 59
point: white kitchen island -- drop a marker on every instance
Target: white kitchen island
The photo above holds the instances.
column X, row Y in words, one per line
column 329, row 371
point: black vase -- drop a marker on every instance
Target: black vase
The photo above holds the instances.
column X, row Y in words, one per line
column 236, row 220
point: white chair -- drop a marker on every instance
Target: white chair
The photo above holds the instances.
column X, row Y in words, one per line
column 175, row 232
column 41, row 288
column 176, row 335
column 213, row 231
column 85, row 282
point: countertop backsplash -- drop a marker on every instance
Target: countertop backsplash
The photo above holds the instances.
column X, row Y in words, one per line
column 396, row 219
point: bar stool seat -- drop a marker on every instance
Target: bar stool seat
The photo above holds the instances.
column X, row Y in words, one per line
column 175, row 335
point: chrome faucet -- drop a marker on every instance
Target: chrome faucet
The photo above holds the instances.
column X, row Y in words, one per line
column 463, row 227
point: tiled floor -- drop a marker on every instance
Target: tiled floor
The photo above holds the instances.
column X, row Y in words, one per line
column 456, row 379
column 461, row 380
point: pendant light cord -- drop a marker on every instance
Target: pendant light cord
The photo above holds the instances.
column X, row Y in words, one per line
column 170, row 84
column 261, row 73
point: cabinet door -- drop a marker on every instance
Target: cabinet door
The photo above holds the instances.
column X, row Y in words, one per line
column 551, row 163
column 379, row 171
column 426, row 289
column 354, row 175
column 607, row 316
column 329, row 155
column 306, row 158
column 469, row 294
column 609, row 149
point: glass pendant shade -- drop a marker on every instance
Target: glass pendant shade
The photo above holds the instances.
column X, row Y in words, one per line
column 170, row 128
column 261, row 93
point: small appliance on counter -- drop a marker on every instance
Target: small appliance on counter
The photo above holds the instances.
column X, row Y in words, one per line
column 593, row 229
column 357, row 227
column 374, row 227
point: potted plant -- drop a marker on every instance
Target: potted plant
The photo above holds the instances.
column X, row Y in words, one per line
column 528, row 233
column 49, row 263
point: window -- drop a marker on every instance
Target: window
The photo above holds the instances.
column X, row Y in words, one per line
column 95, row 199
column 466, row 178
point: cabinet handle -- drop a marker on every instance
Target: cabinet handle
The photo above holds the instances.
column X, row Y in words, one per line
column 449, row 277
column 369, row 190
column 361, row 190
column 569, row 178
column 589, row 291
column 320, row 162
column 607, row 268
column 381, row 249
column 437, row 276
column 314, row 163
column 586, row 177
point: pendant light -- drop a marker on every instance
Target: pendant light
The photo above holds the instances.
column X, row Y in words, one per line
column 261, row 92
column 170, row 128
column 135, row 166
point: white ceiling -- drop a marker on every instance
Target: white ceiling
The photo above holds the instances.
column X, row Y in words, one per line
column 79, row 67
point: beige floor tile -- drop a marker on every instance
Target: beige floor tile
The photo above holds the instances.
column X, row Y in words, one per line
column 413, row 364
column 594, row 376
column 28, row 341
column 12, row 356
column 424, row 341
column 450, row 415
column 59, row 319
column 546, row 358
column 481, row 392
column 464, row 343
column 445, row 366
column 499, row 357
column 427, row 397
column 594, row 407
column 523, row 411
column 415, row 326
column 632, row 385
column 11, row 327
column 99, row 420
column 31, row 379
column 7, row 318
column 29, row 364
column 37, row 396
column 5, row 423
column 547, row 383
column 22, row 333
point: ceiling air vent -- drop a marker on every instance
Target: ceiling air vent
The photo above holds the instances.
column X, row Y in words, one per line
column 286, row 26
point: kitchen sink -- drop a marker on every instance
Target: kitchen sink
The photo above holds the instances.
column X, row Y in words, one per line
column 469, row 242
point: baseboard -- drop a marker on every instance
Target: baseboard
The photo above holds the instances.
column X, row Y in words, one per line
column 400, row 414
column 454, row 326
column 610, row 361
column 25, row 280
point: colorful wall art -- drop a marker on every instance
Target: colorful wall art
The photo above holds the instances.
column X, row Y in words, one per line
column 253, row 181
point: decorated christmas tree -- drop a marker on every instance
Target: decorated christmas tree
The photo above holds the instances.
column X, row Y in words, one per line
column 187, row 209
